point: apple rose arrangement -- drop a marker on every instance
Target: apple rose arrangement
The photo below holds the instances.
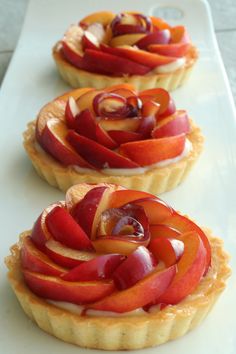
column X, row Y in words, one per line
column 106, row 49
column 131, row 259
column 116, row 135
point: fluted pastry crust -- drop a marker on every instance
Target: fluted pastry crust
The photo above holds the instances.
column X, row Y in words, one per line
column 116, row 333
column 80, row 78
column 156, row 180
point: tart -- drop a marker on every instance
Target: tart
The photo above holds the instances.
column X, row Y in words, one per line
column 116, row 135
column 106, row 49
column 132, row 265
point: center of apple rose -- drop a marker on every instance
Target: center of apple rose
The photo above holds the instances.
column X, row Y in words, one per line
column 128, row 226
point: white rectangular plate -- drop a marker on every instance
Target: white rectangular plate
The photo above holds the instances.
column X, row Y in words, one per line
column 208, row 195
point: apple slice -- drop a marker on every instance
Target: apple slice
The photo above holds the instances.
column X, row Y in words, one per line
column 53, row 288
column 122, row 136
column 40, row 233
column 127, row 124
column 97, row 155
column 53, row 140
column 159, row 230
column 157, row 37
column 183, row 225
column 65, row 256
column 89, row 41
column 177, row 123
column 72, row 45
column 35, row 260
column 151, row 151
column 160, row 96
column 85, row 211
column 177, row 50
column 190, row 270
column 120, row 198
column 64, row 229
column 101, row 267
column 126, row 39
column 71, row 112
column 122, row 245
column 122, row 88
column 85, row 101
column 155, row 209
column 159, row 23
column 85, row 124
column 104, row 138
column 142, row 293
column 138, row 56
column 167, row 250
column 179, row 35
column 112, row 64
column 137, row 265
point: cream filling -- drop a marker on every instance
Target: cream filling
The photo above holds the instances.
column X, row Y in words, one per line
column 138, row 170
column 168, row 68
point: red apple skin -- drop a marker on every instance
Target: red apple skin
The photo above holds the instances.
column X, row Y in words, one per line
column 104, row 138
column 70, row 112
column 157, row 37
column 190, row 270
column 142, row 293
column 53, row 140
column 101, row 267
column 64, row 229
column 112, row 64
column 97, row 155
column 137, row 265
column 177, row 124
column 84, row 212
column 151, row 151
column 66, row 257
column 54, row 288
column 167, row 250
column 36, row 261
column 85, row 124
column 71, row 55
column 87, row 41
column 183, row 225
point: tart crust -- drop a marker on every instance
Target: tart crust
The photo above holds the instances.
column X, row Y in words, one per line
column 156, row 180
column 116, row 333
column 80, row 78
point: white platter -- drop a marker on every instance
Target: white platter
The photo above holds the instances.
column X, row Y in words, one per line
column 208, row 195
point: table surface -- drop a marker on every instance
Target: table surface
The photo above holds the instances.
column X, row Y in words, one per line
column 223, row 12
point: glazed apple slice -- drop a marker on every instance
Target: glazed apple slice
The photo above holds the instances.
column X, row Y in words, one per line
column 183, row 225
column 120, row 198
column 40, row 233
column 190, row 270
column 54, row 288
column 97, row 155
column 53, row 140
column 85, row 101
column 104, row 138
column 177, row 123
column 64, row 229
column 177, row 50
column 35, row 260
column 126, row 39
column 151, row 151
column 142, row 293
column 113, row 64
column 122, row 88
column 179, row 35
column 138, row 56
column 112, row 244
column 72, row 45
column 161, row 230
column 167, row 250
column 85, row 124
column 137, row 265
column 101, row 267
column 89, row 41
column 122, row 136
column 71, row 112
column 126, row 124
column 157, row 37
column 159, row 24
column 65, row 256
column 160, row 96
